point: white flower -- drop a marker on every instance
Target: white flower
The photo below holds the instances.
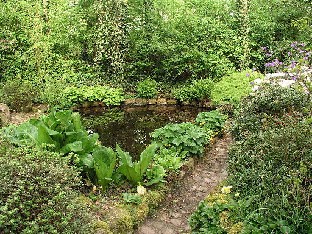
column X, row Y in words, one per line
column 141, row 190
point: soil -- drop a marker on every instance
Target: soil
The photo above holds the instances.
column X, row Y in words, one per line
column 183, row 199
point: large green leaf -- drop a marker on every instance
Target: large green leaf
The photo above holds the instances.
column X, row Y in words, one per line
column 126, row 166
column 145, row 159
column 104, row 165
column 135, row 171
column 75, row 147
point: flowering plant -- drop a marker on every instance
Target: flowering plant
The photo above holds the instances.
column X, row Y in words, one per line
column 294, row 66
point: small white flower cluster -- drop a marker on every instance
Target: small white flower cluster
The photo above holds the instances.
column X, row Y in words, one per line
column 281, row 78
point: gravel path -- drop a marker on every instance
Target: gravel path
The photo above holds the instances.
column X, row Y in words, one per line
column 181, row 202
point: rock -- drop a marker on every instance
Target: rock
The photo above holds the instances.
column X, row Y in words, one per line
column 4, row 114
column 140, row 102
column 171, row 102
column 162, row 101
column 130, row 101
column 152, row 101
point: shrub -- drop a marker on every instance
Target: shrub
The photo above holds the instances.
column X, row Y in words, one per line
column 197, row 90
column 184, row 137
column 271, row 171
column 18, row 95
column 147, row 88
column 38, row 193
column 266, row 107
column 232, row 88
column 78, row 95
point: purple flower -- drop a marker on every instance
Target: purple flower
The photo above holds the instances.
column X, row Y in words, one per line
column 302, row 44
column 294, row 44
column 268, row 54
column 308, row 54
column 293, row 64
column 254, row 69
column 289, row 53
column 264, row 48
column 247, row 74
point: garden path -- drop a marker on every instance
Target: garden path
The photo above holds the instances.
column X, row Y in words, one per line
column 183, row 199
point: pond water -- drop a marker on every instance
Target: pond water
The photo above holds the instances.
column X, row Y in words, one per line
column 131, row 127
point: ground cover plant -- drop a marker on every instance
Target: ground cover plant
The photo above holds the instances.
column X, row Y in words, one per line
column 233, row 87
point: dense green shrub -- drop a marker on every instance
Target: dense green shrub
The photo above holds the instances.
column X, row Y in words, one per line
column 184, row 137
column 197, row 90
column 147, row 89
column 78, row 95
column 182, row 40
column 19, row 95
column 231, row 88
column 271, row 171
column 38, row 193
column 268, row 106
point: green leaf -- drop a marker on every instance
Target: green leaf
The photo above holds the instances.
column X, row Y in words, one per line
column 72, row 147
column 104, row 165
column 145, row 158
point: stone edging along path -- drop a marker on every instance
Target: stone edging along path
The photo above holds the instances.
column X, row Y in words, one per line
column 183, row 199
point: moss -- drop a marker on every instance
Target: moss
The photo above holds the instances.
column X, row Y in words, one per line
column 236, row 228
column 142, row 212
column 120, row 220
column 153, row 198
column 102, row 227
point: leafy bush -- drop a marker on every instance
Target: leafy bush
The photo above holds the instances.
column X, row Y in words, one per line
column 147, row 89
column 271, row 171
column 197, row 90
column 18, row 95
column 188, row 40
column 211, row 121
column 232, row 88
column 78, row 95
column 266, row 106
column 38, row 193
column 184, row 137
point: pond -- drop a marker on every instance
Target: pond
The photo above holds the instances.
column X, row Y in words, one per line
column 131, row 127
